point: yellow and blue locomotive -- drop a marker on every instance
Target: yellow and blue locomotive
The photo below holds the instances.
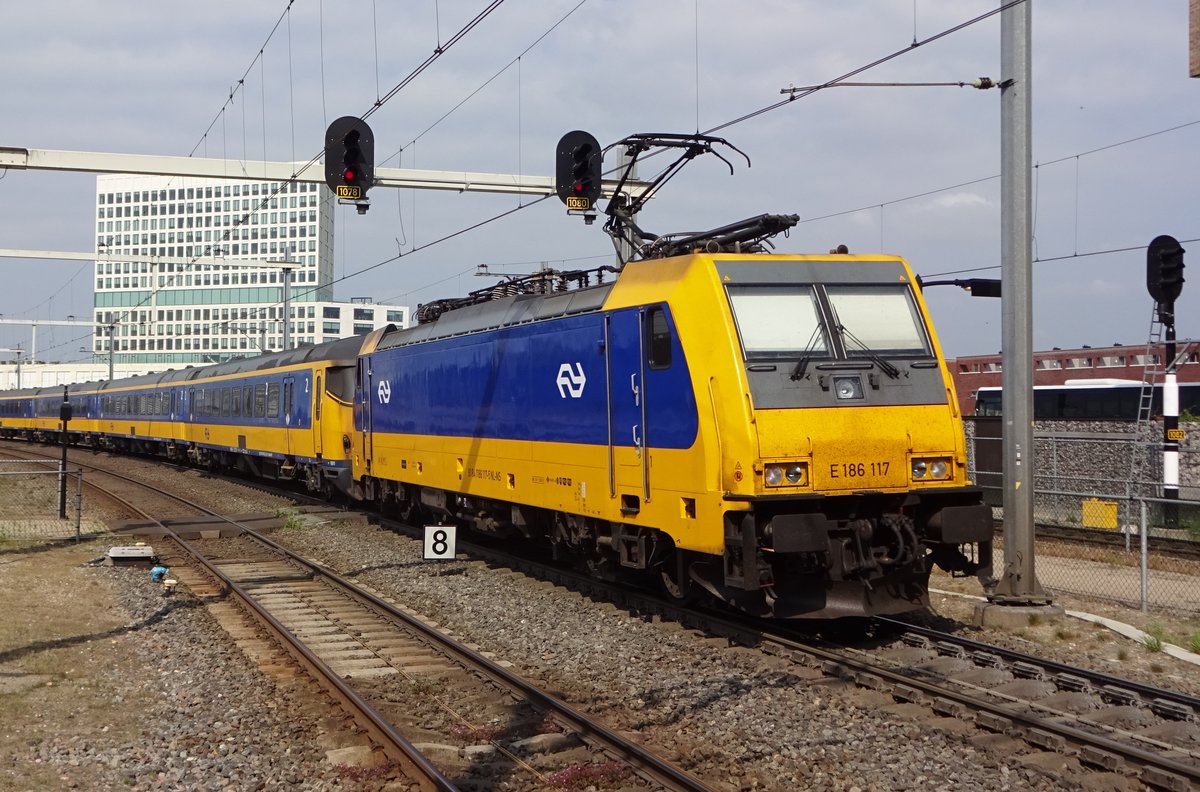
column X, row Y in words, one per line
column 780, row 431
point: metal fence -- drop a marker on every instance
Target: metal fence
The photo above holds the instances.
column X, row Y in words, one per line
column 29, row 502
column 1103, row 529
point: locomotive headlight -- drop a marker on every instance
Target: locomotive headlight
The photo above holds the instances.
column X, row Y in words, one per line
column 784, row 475
column 773, row 475
column 847, row 387
column 931, row 469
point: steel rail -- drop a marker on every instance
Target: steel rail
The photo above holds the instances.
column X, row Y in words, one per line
column 414, row 763
column 1148, row 693
column 652, row 768
column 397, row 747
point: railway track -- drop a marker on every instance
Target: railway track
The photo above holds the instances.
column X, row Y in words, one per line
column 1181, row 546
column 385, row 666
column 1103, row 722
column 1108, row 724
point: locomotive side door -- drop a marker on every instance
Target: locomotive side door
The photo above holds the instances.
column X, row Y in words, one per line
column 362, row 408
column 629, row 463
column 316, row 397
column 289, row 411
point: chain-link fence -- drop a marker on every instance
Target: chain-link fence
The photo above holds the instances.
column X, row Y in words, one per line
column 30, row 505
column 1102, row 527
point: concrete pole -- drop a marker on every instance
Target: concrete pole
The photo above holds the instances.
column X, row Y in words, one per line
column 1018, row 584
column 287, row 308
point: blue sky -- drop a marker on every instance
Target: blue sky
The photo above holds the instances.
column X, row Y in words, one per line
column 148, row 77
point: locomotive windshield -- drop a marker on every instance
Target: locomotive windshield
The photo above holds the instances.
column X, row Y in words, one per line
column 820, row 321
column 778, row 320
column 881, row 319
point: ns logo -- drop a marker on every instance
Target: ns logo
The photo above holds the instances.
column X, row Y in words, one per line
column 571, row 380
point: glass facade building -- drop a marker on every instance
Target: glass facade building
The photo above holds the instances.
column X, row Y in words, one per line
column 160, row 298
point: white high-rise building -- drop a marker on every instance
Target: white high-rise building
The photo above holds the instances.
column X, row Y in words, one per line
column 162, row 300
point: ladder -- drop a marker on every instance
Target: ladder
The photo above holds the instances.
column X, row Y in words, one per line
column 1152, row 373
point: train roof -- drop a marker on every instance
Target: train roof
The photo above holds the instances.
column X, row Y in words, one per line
column 344, row 351
column 500, row 312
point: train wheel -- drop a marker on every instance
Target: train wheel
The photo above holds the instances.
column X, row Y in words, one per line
column 674, row 581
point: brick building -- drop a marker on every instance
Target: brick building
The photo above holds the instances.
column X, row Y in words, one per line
column 1057, row 366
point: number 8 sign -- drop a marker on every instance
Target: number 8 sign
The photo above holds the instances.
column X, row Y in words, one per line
column 439, row 542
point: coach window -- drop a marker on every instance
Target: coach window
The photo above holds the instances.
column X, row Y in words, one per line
column 273, row 400
column 260, row 400
column 659, row 351
column 235, row 408
column 317, row 392
column 226, row 397
column 248, row 401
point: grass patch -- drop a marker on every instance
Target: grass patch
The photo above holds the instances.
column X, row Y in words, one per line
column 292, row 522
column 1194, row 643
column 1034, row 619
column 1154, row 640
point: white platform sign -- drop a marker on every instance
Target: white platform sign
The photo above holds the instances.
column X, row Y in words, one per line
column 439, row 541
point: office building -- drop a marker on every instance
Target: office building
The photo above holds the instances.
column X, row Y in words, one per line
column 192, row 270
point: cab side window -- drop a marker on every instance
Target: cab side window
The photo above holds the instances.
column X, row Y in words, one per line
column 658, row 339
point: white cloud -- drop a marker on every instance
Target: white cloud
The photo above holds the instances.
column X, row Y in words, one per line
column 152, row 77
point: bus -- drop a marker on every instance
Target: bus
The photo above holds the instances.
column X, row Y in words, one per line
column 1090, row 400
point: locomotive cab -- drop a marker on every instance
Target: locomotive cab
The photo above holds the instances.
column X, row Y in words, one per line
column 843, row 465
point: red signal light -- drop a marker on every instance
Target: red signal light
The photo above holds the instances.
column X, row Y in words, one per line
column 349, row 175
column 578, row 187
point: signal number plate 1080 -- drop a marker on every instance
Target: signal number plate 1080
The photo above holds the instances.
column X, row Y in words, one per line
column 575, row 202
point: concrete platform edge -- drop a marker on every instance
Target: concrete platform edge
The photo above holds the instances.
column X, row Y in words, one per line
column 1126, row 630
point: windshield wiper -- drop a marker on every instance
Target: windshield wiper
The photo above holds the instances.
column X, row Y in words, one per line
column 806, row 355
column 884, row 366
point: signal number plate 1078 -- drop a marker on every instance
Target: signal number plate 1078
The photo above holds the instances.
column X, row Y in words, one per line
column 349, row 191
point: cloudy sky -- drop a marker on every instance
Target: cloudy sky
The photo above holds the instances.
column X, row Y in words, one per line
column 906, row 170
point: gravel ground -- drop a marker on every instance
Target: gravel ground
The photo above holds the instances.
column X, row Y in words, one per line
column 735, row 718
column 172, row 705
column 211, row 720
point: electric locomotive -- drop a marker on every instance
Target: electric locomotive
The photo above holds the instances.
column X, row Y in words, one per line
column 779, row 431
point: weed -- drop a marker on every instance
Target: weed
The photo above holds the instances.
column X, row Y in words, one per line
column 1122, row 654
column 373, row 773
column 476, row 734
column 588, row 776
column 1064, row 634
column 1194, row 643
column 1034, row 619
column 1156, row 668
column 1153, row 643
column 292, row 522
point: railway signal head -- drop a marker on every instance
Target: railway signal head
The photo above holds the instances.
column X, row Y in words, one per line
column 577, row 167
column 1164, row 269
column 349, row 158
